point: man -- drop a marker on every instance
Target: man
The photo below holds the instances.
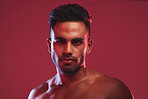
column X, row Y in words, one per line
column 69, row 43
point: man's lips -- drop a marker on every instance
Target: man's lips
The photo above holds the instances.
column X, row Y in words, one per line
column 67, row 60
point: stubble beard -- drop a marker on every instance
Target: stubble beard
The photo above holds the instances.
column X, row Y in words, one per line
column 72, row 68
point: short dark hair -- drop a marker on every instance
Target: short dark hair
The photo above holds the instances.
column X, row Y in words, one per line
column 70, row 12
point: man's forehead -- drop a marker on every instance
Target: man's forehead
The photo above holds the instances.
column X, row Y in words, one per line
column 70, row 27
column 69, row 30
column 69, row 35
column 61, row 38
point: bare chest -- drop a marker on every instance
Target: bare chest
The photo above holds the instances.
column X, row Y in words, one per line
column 74, row 92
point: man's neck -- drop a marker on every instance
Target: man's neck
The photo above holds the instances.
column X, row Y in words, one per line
column 70, row 78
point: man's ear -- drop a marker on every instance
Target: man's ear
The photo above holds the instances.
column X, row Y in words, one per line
column 48, row 41
column 90, row 45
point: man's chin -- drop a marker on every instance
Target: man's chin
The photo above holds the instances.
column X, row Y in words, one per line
column 68, row 69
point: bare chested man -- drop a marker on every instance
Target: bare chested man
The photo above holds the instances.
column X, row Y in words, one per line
column 69, row 43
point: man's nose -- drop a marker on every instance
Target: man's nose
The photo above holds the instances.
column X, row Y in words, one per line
column 68, row 49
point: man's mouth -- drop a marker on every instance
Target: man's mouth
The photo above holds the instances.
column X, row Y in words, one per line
column 67, row 60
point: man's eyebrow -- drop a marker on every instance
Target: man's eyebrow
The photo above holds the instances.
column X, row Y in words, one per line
column 60, row 38
column 79, row 39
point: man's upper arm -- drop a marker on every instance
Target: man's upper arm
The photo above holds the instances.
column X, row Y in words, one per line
column 32, row 94
column 118, row 90
column 38, row 91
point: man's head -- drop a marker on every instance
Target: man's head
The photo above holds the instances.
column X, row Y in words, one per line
column 69, row 37
column 70, row 12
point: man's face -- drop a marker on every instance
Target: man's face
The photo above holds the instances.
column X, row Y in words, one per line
column 69, row 45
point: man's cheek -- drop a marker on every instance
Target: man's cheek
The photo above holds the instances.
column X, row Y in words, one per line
column 82, row 51
column 80, row 54
column 58, row 49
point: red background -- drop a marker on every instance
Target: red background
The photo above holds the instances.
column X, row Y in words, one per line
column 119, row 30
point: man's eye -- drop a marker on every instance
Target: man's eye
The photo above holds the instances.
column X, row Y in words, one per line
column 60, row 41
column 76, row 42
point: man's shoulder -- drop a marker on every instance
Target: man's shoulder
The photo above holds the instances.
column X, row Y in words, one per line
column 112, row 87
column 95, row 74
column 43, row 88
column 38, row 90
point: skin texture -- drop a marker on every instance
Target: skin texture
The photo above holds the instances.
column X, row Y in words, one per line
column 68, row 45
